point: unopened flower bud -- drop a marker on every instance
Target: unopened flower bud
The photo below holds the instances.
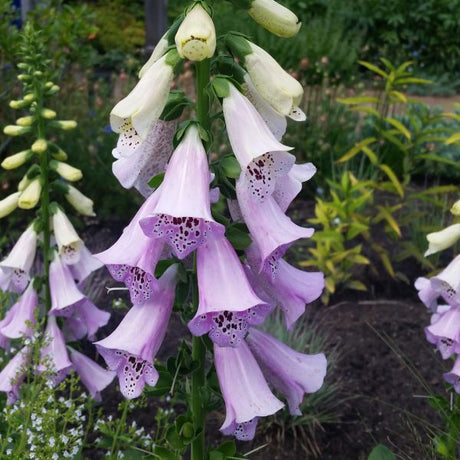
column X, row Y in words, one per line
column 39, row 146
column 438, row 241
column 19, row 104
column 31, row 195
column 66, row 125
column 22, row 65
column 80, row 202
column 25, row 121
column 24, row 77
column 25, row 181
column 14, row 130
column 455, row 209
column 60, row 155
column 29, row 97
column 48, row 114
column 158, row 52
column 53, row 90
column 9, row 204
column 196, row 36
column 49, row 84
column 16, row 160
column 66, row 171
column 38, row 73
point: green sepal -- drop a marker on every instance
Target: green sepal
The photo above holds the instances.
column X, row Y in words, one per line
column 156, row 181
column 172, row 57
column 177, row 101
column 171, row 34
column 226, row 65
column 37, row 284
column 238, row 45
column 221, row 87
column 53, row 208
column 33, row 172
column 37, row 225
column 60, row 187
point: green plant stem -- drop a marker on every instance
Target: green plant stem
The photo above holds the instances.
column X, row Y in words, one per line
column 198, row 348
column 120, row 424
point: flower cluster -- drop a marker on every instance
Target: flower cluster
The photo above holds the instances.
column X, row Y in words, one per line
column 444, row 330
column 237, row 288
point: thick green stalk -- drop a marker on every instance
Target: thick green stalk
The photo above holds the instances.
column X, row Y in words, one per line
column 198, row 348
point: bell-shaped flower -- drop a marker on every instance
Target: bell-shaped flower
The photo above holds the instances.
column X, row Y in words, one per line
column 270, row 228
column 138, row 161
column 53, row 356
column 9, row 204
column 292, row 373
column 13, row 375
column 14, row 270
column 289, row 287
column 94, row 377
column 133, row 257
column 453, row 377
column 438, row 241
column 274, row 17
column 196, row 37
column 85, row 266
column 426, row 293
column 261, row 156
column 289, row 185
column 21, row 315
column 182, row 216
column 444, row 332
column 227, row 303
column 133, row 345
column 244, row 389
column 146, row 101
column 282, row 91
column 447, row 283
column 67, row 239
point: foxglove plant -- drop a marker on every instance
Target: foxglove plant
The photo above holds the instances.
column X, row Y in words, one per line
column 49, row 280
column 226, row 275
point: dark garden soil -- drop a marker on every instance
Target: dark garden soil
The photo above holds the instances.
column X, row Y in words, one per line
column 383, row 357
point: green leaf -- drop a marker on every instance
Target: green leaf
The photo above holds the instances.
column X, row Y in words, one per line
column 359, row 100
column 399, row 126
column 413, row 80
column 238, row 237
column 453, row 139
column 374, row 69
column 394, row 180
column 163, row 385
column 388, row 63
column 386, row 214
column 439, row 159
column 164, row 454
column 356, row 149
column 398, row 96
column 156, row 181
column 355, row 229
column 381, row 452
column 356, row 285
column 367, row 109
column 231, row 167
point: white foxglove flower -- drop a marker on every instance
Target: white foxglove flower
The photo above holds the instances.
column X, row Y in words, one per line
column 196, row 36
column 158, row 52
column 438, row 241
column 67, row 239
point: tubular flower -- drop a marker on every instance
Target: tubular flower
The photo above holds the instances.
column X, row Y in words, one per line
column 85, row 266
column 14, row 270
column 146, row 101
column 290, row 372
column 261, row 156
column 196, row 37
column 270, row 228
column 182, row 216
column 289, row 287
column 133, row 258
column 94, row 377
column 13, row 375
column 67, row 239
column 447, row 283
column 138, row 161
column 274, row 17
column 426, row 293
column 131, row 348
column 53, row 356
column 244, row 389
column 453, row 377
column 438, row 241
column 227, row 303
column 444, row 332
column 9, row 204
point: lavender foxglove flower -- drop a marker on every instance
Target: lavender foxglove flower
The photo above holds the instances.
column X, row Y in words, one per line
column 426, row 293
column 131, row 348
column 94, row 377
column 453, row 377
column 270, row 228
column 14, row 270
column 13, row 375
column 24, row 313
column 261, row 156
column 244, row 389
column 53, row 355
column 67, row 239
column 447, row 283
column 133, row 258
column 445, row 332
column 292, row 373
column 85, row 266
column 138, row 161
column 182, row 216
column 289, row 287
column 227, row 303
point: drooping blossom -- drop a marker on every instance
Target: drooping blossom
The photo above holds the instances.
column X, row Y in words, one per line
column 426, row 293
column 453, row 377
column 94, row 377
column 85, row 266
column 270, row 228
column 447, row 283
column 289, row 287
column 292, row 373
column 159, row 51
column 15, row 269
column 132, row 346
column 21, row 315
column 13, row 375
column 261, row 156
column 445, row 332
column 139, row 160
column 244, row 389
column 182, row 216
column 133, row 257
column 67, row 239
column 227, row 303
column 53, row 356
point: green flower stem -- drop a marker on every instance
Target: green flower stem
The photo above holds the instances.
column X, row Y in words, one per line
column 121, row 423
column 198, row 348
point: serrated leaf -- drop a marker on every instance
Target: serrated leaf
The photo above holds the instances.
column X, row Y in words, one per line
column 394, row 180
column 381, row 452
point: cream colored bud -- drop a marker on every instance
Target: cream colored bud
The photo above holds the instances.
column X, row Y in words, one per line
column 16, row 160
column 196, row 37
column 66, row 125
column 60, row 155
column 66, row 171
column 53, row 90
column 25, row 121
column 29, row 97
column 18, row 104
column 80, row 202
column 24, row 77
column 39, row 146
column 25, row 181
column 14, row 130
column 9, row 204
column 274, row 17
column 455, row 209
column 49, row 84
column 438, row 241
column 31, row 195
column 48, row 114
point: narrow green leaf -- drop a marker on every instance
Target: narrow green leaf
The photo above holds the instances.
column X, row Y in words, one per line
column 356, row 149
column 374, row 68
column 381, row 452
column 359, row 100
column 453, row 139
column 399, row 126
column 386, row 214
column 394, row 180
column 398, row 96
column 367, row 109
